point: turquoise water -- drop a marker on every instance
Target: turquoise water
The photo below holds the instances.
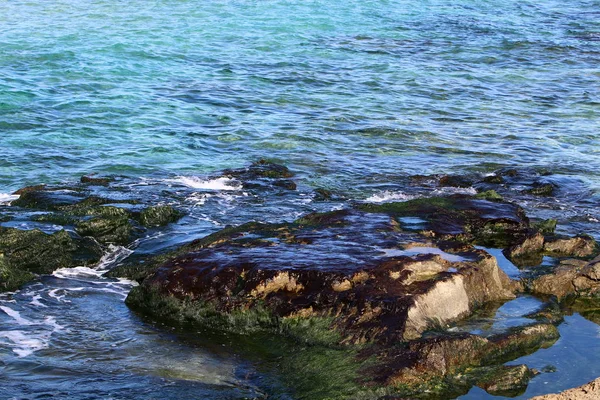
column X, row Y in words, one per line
column 353, row 96
column 339, row 90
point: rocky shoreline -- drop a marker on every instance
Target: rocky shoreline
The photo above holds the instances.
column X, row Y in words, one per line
column 365, row 293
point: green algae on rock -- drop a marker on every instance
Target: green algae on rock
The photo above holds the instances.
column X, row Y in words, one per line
column 158, row 216
column 349, row 280
column 29, row 252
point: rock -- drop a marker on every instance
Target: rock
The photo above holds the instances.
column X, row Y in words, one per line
column 158, row 216
column 30, row 189
column 322, row 194
column 70, row 200
column 570, row 278
column 465, row 218
column 489, row 195
column 263, row 174
column 95, row 180
column 455, row 181
column 589, row 391
column 531, row 250
column 528, row 252
column 463, row 360
column 12, row 278
column 507, row 381
column 546, row 227
column 107, row 229
column 541, row 189
column 314, row 268
column 578, row 246
column 494, row 179
column 26, row 253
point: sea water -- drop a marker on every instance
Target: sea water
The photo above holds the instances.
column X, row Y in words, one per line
column 354, row 96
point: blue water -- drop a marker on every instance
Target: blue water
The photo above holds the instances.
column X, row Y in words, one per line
column 353, row 96
column 339, row 90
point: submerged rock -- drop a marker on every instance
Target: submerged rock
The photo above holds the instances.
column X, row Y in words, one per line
column 509, row 380
column 447, row 365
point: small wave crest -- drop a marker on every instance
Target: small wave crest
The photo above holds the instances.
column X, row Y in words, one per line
column 387, row 196
column 34, row 336
column 194, row 182
column 7, row 198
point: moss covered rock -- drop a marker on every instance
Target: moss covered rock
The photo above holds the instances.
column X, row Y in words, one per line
column 158, row 216
column 25, row 253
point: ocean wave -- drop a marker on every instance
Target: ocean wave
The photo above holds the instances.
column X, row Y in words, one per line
column 195, row 182
column 7, row 198
column 387, row 196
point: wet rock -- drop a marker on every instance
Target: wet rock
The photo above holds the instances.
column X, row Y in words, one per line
column 487, row 223
column 489, row 195
column 263, row 174
column 570, row 278
column 33, row 252
column 578, row 246
column 322, row 194
column 455, row 181
column 12, row 278
column 507, row 381
column 55, row 218
column 546, row 227
column 96, row 180
column 107, row 229
column 462, row 360
column 158, row 216
column 494, row 179
column 314, row 268
column 589, row 391
column 531, row 250
column 30, row 189
column 541, row 189
column 527, row 253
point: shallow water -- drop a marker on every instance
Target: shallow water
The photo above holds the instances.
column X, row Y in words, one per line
column 354, row 96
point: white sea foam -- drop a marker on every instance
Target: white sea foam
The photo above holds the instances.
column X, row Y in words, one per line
column 77, row 272
column 35, row 301
column 387, row 195
column 195, row 182
column 16, row 316
column 455, row 190
column 25, row 343
column 115, row 254
column 7, row 198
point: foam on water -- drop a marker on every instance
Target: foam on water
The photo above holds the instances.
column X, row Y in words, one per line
column 24, row 343
column 388, row 196
column 195, row 182
column 16, row 316
column 7, row 198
